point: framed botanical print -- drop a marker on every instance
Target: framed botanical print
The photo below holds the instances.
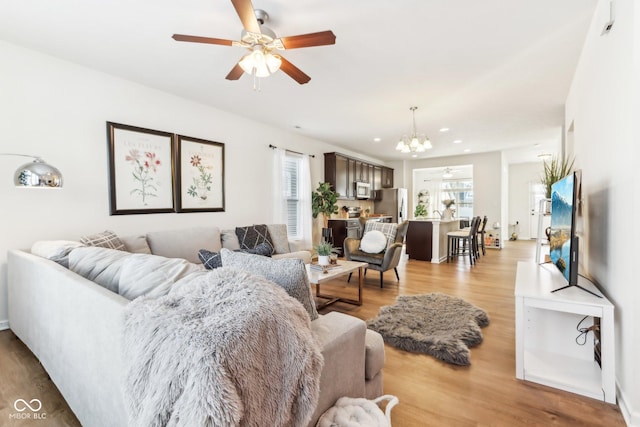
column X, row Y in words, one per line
column 199, row 175
column 140, row 170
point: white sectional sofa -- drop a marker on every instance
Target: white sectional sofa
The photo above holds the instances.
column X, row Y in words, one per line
column 74, row 326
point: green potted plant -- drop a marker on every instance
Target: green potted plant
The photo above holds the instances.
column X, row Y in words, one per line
column 324, row 250
column 324, row 201
column 554, row 170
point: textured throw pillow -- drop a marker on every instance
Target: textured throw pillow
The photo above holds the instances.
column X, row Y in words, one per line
column 106, row 239
column 373, row 242
column 209, row 259
column 290, row 273
column 251, row 236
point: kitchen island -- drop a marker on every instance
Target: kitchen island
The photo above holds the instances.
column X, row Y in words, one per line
column 426, row 238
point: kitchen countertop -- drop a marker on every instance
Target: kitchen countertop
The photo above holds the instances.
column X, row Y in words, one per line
column 433, row 219
column 352, row 219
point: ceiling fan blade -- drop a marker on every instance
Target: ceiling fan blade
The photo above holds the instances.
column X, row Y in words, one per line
column 198, row 39
column 247, row 15
column 307, row 40
column 294, row 72
column 235, row 73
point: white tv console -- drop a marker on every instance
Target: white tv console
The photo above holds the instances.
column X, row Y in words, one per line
column 546, row 331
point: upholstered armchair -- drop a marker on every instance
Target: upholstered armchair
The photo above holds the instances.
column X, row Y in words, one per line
column 387, row 259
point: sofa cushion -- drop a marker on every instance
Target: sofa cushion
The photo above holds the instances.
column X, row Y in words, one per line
column 106, row 239
column 136, row 244
column 100, row 265
column 184, row 243
column 152, row 275
column 278, row 233
column 373, row 242
column 252, row 235
column 55, row 250
column 290, row 273
column 361, row 256
column 229, row 239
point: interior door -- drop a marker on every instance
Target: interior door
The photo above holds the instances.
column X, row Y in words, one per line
column 536, row 193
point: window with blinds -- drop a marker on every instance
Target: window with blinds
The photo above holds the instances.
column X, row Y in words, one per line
column 291, row 190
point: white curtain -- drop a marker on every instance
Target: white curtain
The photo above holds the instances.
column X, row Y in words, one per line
column 305, row 203
column 280, row 191
column 279, row 180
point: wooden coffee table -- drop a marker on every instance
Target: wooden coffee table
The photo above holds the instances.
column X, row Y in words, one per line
column 317, row 277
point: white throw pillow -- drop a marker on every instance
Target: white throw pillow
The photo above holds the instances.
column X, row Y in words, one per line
column 373, row 242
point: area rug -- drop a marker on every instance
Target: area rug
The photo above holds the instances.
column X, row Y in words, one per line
column 436, row 324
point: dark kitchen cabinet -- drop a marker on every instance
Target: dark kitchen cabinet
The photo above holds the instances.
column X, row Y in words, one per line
column 342, row 171
column 343, row 228
column 387, row 177
column 377, row 178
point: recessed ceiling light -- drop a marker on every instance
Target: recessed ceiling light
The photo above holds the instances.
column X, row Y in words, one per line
column 457, row 141
column 297, row 127
column 467, row 150
column 444, row 129
column 414, row 155
column 376, row 139
column 536, row 145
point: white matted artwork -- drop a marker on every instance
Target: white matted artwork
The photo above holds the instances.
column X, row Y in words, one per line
column 200, row 175
column 140, row 170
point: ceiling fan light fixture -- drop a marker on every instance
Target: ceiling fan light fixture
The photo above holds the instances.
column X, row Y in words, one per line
column 259, row 63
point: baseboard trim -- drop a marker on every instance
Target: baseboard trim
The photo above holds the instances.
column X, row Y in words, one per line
column 631, row 417
column 4, row 324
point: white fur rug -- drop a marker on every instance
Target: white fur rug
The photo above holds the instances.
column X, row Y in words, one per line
column 437, row 324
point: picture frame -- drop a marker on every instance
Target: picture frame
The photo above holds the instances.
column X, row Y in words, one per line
column 199, row 175
column 141, row 170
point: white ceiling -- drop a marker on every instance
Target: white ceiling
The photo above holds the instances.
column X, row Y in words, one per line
column 496, row 72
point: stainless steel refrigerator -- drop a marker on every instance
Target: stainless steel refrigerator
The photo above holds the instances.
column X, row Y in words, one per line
column 392, row 201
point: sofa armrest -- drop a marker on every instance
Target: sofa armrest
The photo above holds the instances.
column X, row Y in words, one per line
column 305, row 256
column 342, row 340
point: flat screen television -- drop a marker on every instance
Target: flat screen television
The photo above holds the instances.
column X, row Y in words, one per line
column 563, row 241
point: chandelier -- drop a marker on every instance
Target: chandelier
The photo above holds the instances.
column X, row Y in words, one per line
column 417, row 142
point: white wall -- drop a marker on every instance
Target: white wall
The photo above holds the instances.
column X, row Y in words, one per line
column 603, row 107
column 59, row 110
column 487, row 183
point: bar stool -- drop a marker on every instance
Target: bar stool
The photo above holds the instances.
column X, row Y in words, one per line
column 481, row 235
column 469, row 240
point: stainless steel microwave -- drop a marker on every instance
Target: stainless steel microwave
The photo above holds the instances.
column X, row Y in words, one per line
column 362, row 190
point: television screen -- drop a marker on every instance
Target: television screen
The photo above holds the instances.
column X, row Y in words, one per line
column 562, row 236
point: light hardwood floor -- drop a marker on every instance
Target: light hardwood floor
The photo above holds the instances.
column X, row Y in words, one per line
column 431, row 393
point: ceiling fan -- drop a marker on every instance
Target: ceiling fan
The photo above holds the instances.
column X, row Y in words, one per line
column 261, row 41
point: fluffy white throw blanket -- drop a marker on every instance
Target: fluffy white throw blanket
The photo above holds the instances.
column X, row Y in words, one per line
column 225, row 348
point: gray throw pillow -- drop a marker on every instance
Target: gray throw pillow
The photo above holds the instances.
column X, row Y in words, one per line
column 290, row 273
column 251, row 236
column 210, row 260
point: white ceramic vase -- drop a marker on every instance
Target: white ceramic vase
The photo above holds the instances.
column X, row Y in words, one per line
column 324, row 260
